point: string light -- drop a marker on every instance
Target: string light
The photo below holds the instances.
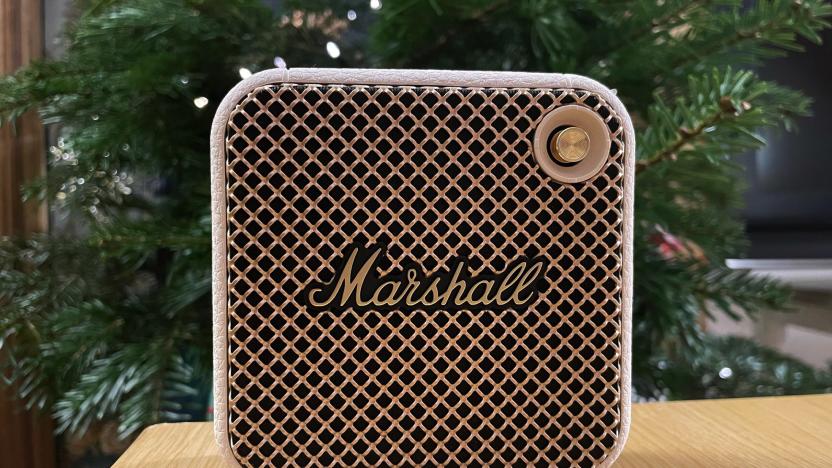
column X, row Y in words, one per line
column 725, row 373
column 352, row 15
column 333, row 50
column 279, row 62
column 244, row 72
column 200, row 102
column 375, row 4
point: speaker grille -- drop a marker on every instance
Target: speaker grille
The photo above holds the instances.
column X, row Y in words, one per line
column 433, row 174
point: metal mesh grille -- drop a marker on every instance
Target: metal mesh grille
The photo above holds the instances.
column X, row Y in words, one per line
column 433, row 174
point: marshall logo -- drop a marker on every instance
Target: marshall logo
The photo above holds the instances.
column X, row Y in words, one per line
column 357, row 284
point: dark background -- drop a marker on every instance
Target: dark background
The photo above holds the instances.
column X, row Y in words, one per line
column 789, row 200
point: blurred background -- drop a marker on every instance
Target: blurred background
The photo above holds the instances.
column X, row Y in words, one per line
column 104, row 189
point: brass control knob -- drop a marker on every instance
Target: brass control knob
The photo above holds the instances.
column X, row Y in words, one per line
column 570, row 145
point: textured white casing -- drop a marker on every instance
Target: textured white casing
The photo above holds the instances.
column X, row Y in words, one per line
column 404, row 78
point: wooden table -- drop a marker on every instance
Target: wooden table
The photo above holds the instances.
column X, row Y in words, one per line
column 743, row 432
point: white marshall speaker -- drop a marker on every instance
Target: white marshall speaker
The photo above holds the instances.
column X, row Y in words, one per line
column 422, row 268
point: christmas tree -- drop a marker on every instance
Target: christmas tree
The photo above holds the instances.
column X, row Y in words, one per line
column 109, row 319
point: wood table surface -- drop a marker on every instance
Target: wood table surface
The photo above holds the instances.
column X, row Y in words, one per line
column 794, row 431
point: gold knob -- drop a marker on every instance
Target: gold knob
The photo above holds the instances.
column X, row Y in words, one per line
column 570, row 145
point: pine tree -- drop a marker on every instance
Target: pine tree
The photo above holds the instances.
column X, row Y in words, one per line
column 110, row 320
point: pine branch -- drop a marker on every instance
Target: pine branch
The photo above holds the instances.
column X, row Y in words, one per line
column 129, row 384
column 764, row 30
column 731, row 291
column 477, row 15
column 465, row 15
column 718, row 118
column 711, row 36
column 93, row 312
column 652, row 26
column 668, row 20
column 685, row 137
column 732, row 367
column 121, row 236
